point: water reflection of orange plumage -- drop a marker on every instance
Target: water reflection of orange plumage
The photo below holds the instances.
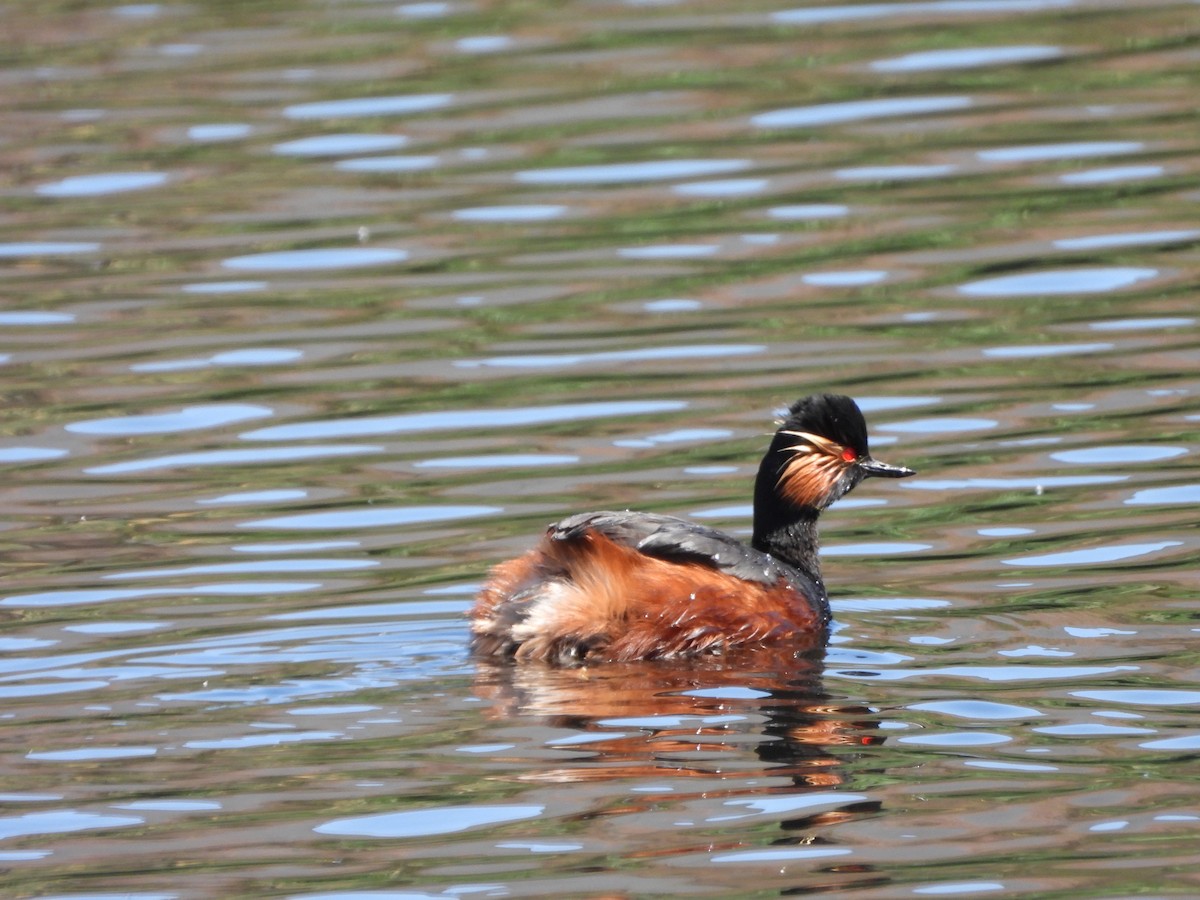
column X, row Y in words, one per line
column 762, row 713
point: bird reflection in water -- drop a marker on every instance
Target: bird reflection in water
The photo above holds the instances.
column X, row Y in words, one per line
column 743, row 726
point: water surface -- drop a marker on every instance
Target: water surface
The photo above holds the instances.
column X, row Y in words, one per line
column 316, row 311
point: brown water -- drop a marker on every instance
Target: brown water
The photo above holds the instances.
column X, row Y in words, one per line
column 313, row 311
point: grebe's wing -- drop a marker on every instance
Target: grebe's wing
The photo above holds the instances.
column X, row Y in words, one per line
column 675, row 539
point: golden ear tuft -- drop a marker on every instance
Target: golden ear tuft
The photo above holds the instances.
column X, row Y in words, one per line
column 808, row 478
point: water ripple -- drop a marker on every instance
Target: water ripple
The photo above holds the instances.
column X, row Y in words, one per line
column 1093, row 555
column 729, row 187
column 451, row 420
column 102, row 184
column 530, row 212
column 498, row 461
column 810, row 211
column 857, row 111
column 263, row 740
column 219, row 131
column 1129, row 239
column 308, row 260
column 672, row 305
column 1091, row 729
column 669, row 251
column 191, row 418
column 678, row 436
column 249, row 356
column 1112, row 174
column 1143, row 323
column 223, row 287
column 278, row 495
column 18, row 249
column 757, row 857
column 959, row 888
column 388, row 164
column 30, row 454
column 368, row 106
column 966, row 58
column 874, row 548
column 1122, row 453
column 83, row 754
column 31, row 318
column 778, row 806
column 615, row 173
column 823, row 14
column 1035, row 351
column 305, row 564
column 844, row 279
column 89, row 596
column 58, row 821
column 987, row 673
column 340, row 144
column 1011, row 484
column 956, row 739
column 1142, row 696
column 939, row 425
column 1189, row 742
column 1045, row 152
column 427, row 822
column 977, row 709
column 894, row 173
column 484, row 43
column 431, row 10
column 645, row 354
column 1058, row 281
column 256, row 456
column 1188, row 494
column 372, row 517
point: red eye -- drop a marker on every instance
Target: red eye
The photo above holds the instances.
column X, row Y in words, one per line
column 849, row 455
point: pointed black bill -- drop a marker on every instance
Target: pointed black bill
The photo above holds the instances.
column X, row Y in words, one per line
column 883, row 470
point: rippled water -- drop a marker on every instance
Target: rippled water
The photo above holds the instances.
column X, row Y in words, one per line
column 315, row 311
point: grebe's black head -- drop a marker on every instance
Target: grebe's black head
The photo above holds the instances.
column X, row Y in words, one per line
column 819, row 454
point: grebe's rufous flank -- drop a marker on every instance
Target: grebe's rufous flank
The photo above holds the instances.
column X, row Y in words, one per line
column 611, row 586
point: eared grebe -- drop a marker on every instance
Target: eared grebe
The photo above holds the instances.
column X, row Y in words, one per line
column 629, row 585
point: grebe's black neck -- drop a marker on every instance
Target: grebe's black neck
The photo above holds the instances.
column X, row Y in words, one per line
column 791, row 538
